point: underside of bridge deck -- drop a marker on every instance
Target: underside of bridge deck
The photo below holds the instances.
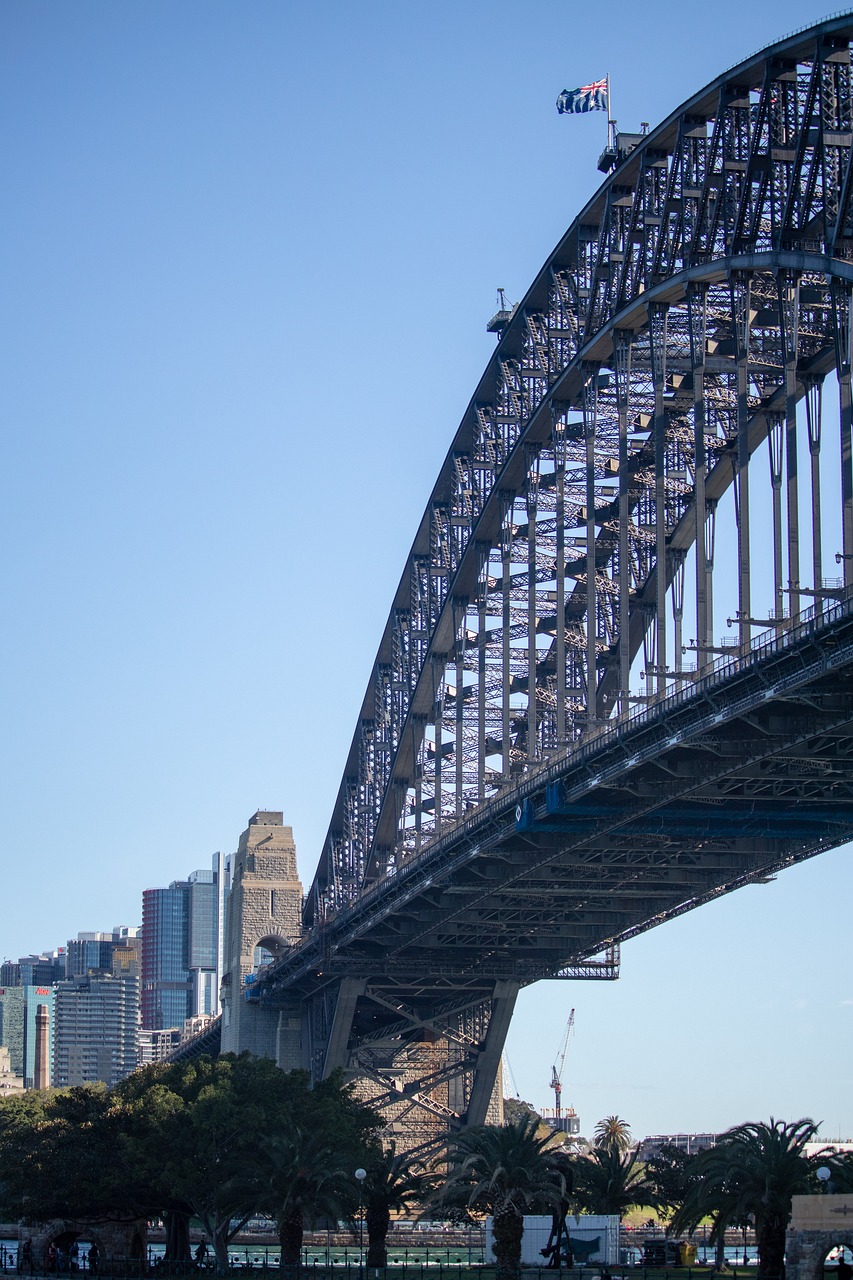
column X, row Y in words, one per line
column 536, row 775
column 738, row 777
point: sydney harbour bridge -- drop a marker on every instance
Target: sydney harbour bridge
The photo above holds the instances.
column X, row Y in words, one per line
column 554, row 753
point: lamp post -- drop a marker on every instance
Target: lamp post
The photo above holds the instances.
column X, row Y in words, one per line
column 360, row 1174
column 824, row 1174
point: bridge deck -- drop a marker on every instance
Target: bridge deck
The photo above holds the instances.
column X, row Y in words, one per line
column 742, row 774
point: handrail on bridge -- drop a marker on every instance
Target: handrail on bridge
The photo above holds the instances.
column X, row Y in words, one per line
column 749, row 655
column 744, row 656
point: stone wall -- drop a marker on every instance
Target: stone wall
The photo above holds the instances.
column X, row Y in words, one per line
column 818, row 1224
column 118, row 1242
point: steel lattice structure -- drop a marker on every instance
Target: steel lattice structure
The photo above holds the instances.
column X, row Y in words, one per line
column 536, row 774
column 702, row 292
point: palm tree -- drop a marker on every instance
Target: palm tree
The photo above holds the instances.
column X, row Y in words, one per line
column 608, row 1181
column 751, row 1174
column 613, row 1132
column 393, row 1182
column 504, row 1170
column 299, row 1178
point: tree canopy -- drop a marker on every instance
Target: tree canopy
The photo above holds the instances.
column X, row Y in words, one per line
column 671, row 1173
column 612, row 1132
column 395, row 1181
column 171, row 1140
column 506, row 1171
column 750, row 1176
column 610, row 1181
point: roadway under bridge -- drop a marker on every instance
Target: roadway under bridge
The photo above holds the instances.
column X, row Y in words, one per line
column 554, row 751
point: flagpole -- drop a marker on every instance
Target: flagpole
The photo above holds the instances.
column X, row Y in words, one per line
column 609, row 114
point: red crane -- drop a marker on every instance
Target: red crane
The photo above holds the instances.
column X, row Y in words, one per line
column 557, row 1069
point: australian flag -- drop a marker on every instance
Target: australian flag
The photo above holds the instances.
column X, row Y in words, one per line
column 590, row 97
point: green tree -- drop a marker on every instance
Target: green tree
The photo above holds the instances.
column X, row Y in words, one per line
column 394, row 1182
column 515, row 1108
column 333, row 1109
column 196, row 1128
column 60, row 1157
column 612, row 1132
column 610, row 1181
column 175, row 1139
column 190, row 1124
column 505, row 1171
column 751, row 1175
column 21, row 1116
column 305, row 1169
column 22, row 1121
column 296, row 1178
column 671, row 1173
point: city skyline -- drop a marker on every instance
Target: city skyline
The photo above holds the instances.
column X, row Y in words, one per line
column 212, row 480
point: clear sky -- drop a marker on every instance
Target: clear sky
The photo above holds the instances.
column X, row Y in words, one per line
column 248, row 253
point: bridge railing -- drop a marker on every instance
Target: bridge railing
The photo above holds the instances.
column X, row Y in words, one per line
column 817, row 617
column 417, row 871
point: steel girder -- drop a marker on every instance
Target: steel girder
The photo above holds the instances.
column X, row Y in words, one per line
column 745, row 773
column 506, row 812
column 702, row 293
column 723, row 784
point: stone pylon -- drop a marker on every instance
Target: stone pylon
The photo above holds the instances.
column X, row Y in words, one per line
column 264, row 910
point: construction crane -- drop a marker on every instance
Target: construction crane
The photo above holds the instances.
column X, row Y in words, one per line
column 557, row 1069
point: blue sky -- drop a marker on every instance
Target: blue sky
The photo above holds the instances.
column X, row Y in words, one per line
column 248, row 255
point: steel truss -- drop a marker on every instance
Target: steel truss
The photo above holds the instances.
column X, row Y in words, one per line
column 703, row 292
column 506, row 812
column 724, row 783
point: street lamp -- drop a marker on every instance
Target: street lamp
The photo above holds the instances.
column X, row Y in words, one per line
column 824, row 1174
column 360, row 1174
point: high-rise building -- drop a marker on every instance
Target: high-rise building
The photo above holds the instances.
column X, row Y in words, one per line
column 93, row 952
column 165, row 945
column 86, row 952
column 96, row 1029
column 42, row 970
column 34, row 999
column 182, row 948
column 30, row 1020
column 12, row 1013
column 127, row 959
column 203, row 942
column 18, row 1015
column 156, row 1045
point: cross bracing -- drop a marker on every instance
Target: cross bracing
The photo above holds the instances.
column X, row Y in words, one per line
column 556, row 750
column 565, row 561
column 726, row 783
column 730, row 780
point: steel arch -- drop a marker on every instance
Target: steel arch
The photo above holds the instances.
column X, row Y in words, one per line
column 698, row 297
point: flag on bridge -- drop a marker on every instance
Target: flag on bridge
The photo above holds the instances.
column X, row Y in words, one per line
column 590, row 97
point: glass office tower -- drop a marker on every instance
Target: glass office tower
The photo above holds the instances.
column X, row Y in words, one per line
column 181, row 948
